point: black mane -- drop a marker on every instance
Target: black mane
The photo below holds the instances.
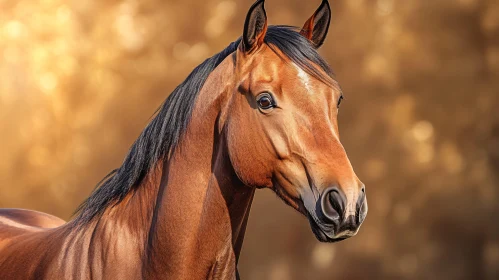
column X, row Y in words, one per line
column 162, row 134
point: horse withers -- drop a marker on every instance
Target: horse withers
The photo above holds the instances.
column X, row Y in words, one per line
column 260, row 114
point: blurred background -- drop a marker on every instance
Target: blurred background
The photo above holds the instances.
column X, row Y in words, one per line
column 80, row 79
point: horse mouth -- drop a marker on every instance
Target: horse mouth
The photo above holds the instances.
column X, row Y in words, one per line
column 328, row 235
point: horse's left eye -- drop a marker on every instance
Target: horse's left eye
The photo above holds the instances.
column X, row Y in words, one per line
column 339, row 101
column 265, row 101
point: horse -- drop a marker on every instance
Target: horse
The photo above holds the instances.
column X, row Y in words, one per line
column 261, row 114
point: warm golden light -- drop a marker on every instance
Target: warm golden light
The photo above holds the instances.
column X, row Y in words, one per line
column 79, row 80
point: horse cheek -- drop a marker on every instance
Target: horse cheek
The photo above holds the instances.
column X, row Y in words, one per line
column 251, row 166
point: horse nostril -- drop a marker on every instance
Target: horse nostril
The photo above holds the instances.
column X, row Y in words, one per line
column 362, row 206
column 333, row 205
column 361, row 199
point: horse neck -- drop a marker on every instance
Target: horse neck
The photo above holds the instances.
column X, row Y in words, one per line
column 191, row 206
column 202, row 207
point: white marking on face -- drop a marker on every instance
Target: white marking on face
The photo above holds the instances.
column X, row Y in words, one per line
column 304, row 78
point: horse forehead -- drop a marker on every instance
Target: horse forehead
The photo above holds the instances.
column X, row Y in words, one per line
column 311, row 86
column 304, row 86
column 279, row 70
column 269, row 64
column 286, row 71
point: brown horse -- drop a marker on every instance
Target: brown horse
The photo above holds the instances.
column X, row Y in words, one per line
column 260, row 114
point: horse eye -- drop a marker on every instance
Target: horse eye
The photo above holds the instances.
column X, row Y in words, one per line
column 265, row 101
column 339, row 102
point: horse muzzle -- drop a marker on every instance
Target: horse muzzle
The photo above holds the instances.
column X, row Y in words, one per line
column 334, row 219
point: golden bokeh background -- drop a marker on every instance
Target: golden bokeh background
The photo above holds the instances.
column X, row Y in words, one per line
column 79, row 80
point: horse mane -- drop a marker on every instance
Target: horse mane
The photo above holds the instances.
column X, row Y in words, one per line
column 162, row 134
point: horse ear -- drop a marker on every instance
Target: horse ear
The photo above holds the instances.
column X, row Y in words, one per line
column 316, row 27
column 255, row 27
